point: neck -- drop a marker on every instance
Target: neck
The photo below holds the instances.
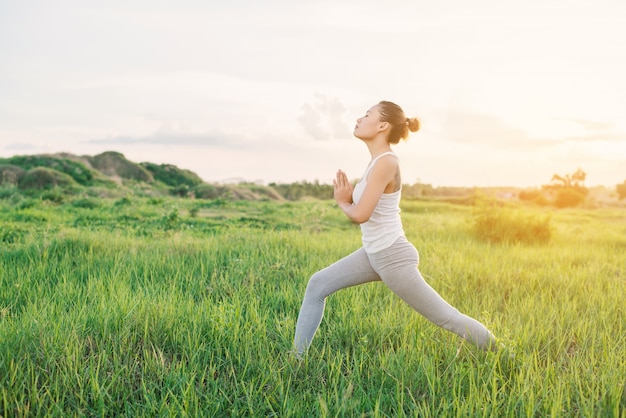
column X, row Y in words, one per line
column 377, row 147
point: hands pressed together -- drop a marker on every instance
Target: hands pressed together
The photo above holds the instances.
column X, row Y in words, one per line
column 342, row 188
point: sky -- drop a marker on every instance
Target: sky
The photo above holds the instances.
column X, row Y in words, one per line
column 508, row 92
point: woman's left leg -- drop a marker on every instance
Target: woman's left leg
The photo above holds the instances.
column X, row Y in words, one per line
column 351, row 270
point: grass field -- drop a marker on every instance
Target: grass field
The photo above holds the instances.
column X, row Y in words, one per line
column 164, row 306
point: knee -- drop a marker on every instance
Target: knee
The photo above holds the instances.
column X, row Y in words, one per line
column 316, row 286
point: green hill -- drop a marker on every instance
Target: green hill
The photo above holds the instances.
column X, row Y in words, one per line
column 112, row 174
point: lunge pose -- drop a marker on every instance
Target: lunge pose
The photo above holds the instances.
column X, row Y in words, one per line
column 386, row 254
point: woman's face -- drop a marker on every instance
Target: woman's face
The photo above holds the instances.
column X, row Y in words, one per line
column 367, row 126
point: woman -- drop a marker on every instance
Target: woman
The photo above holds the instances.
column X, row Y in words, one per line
column 386, row 254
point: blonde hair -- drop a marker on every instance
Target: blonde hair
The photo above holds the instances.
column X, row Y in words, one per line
column 400, row 124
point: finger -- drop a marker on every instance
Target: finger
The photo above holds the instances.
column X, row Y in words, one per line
column 340, row 178
column 344, row 178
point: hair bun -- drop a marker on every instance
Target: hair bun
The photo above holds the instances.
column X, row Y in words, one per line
column 413, row 124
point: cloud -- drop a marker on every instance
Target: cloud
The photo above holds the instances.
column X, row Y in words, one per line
column 596, row 131
column 324, row 119
column 593, row 125
column 15, row 146
column 209, row 139
column 597, row 137
column 491, row 130
column 483, row 129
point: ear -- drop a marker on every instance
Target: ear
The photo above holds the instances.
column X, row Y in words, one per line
column 383, row 126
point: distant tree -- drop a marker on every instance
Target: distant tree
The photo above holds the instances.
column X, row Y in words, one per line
column 299, row 190
column 621, row 190
column 570, row 180
column 417, row 190
column 570, row 190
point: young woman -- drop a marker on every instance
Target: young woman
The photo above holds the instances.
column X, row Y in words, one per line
column 386, row 254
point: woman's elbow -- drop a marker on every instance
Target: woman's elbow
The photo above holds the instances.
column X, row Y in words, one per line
column 360, row 218
column 355, row 213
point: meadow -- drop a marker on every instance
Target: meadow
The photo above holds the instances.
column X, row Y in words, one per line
column 163, row 306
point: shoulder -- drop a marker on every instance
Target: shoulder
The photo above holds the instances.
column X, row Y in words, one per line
column 386, row 166
column 388, row 161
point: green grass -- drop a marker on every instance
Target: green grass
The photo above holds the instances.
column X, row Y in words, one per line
column 152, row 307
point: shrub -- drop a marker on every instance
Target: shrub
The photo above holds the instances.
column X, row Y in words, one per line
column 182, row 191
column 85, row 203
column 501, row 224
column 42, row 178
column 170, row 221
column 74, row 169
column 54, row 195
column 124, row 201
column 193, row 212
column 172, row 175
column 10, row 174
column 569, row 197
column 208, row 191
column 25, row 203
column 7, row 192
column 155, row 201
column 533, row 196
column 263, row 192
column 10, row 234
column 621, row 190
column 114, row 163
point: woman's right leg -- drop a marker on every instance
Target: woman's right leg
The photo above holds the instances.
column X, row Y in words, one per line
column 351, row 270
column 397, row 266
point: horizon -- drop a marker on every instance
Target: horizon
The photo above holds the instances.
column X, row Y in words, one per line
column 240, row 180
column 506, row 93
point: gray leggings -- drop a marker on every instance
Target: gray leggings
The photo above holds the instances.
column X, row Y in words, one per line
column 396, row 266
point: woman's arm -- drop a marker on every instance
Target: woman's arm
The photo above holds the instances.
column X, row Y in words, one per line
column 383, row 173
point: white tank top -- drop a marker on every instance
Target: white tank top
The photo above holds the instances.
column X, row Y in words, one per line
column 384, row 227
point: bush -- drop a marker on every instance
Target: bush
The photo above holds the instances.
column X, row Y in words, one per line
column 533, row 196
column 501, row 224
column 76, row 170
column 11, row 174
column 25, row 203
column 114, row 163
column 208, row 191
column 263, row 192
column 621, row 190
column 11, row 234
column 85, row 203
column 170, row 221
column 124, row 201
column 54, row 195
column 42, row 178
column 7, row 192
column 172, row 175
column 569, row 197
